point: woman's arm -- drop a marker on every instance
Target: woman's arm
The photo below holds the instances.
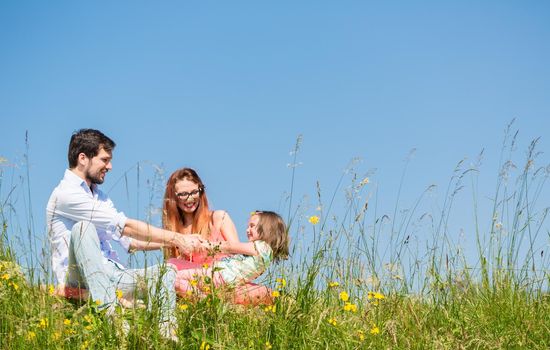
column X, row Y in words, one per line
column 222, row 221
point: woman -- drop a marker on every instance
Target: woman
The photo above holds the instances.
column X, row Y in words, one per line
column 186, row 210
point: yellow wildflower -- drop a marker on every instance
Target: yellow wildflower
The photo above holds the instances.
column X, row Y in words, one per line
column 375, row 295
column 84, row 345
column 205, row 346
column 51, row 289
column 268, row 345
column 67, row 322
column 333, row 284
column 89, row 327
column 189, row 293
column 361, row 335
column 43, row 323
column 183, row 307
column 88, row 318
column 31, row 335
column 271, row 308
column 119, row 294
column 332, row 321
column 374, row 330
column 205, row 265
column 275, row 294
column 97, row 302
column 6, row 276
column 344, row 296
column 350, row 307
column 194, row 283
column 281, row 281
column 314, row 220
column 14, row 285
column 56, row 335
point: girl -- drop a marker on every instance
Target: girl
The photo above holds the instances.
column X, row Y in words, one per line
column 267, row 241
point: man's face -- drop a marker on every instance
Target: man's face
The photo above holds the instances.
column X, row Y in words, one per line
column 97, row 167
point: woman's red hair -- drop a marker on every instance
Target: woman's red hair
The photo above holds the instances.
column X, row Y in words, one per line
column 172, row 216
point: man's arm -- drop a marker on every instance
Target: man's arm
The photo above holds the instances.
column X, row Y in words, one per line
column 141, row 245
column 149, row 234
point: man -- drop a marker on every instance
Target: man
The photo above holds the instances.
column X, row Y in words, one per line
column 82, row 222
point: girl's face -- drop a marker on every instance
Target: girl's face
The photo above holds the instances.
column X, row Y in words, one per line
column 252, row 228
column 188, row 195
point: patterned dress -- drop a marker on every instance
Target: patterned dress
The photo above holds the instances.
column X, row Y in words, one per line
column 240, row 268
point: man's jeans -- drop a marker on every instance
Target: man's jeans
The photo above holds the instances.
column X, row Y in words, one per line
column 88, row 268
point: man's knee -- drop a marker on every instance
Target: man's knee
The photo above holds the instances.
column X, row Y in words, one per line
column 169, row 273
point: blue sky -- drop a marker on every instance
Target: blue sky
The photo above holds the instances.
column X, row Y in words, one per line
column 226, row 88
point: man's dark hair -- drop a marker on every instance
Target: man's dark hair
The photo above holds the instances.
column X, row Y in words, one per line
column 89, row 142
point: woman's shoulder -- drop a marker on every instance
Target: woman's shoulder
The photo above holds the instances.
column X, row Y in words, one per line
column 219, row 214
column 218, row 217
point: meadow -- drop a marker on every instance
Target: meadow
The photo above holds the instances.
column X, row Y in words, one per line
column 362, row 279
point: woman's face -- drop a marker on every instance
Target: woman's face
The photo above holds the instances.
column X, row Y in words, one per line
column 187, row 195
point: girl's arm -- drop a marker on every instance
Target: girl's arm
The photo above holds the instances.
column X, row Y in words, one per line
column 246, row 248
column 223, row 222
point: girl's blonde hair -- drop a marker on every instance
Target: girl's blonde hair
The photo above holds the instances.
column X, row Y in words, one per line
column 272, row 230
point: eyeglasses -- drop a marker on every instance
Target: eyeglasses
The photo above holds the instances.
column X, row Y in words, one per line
column 185, row 195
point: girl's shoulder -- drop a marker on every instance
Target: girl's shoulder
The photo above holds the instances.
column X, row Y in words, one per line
column 262, row 247
column 265, row 253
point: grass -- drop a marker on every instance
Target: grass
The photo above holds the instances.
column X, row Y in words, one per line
column 360, row 283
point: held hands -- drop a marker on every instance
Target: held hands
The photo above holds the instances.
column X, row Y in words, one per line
column 187, row 244
column 210, row 247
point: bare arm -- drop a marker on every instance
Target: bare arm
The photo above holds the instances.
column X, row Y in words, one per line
column 246, row 248
column 149, row 234
column 223, row 222
column 141, row 245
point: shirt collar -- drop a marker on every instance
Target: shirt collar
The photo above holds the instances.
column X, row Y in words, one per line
column 78, row 181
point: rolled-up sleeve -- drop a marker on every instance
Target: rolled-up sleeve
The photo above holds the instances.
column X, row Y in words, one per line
column 115, row 230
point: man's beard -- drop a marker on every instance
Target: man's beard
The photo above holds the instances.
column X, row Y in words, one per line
column 95, row 178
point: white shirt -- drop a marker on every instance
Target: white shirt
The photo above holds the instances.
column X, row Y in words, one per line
column 72, row 201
